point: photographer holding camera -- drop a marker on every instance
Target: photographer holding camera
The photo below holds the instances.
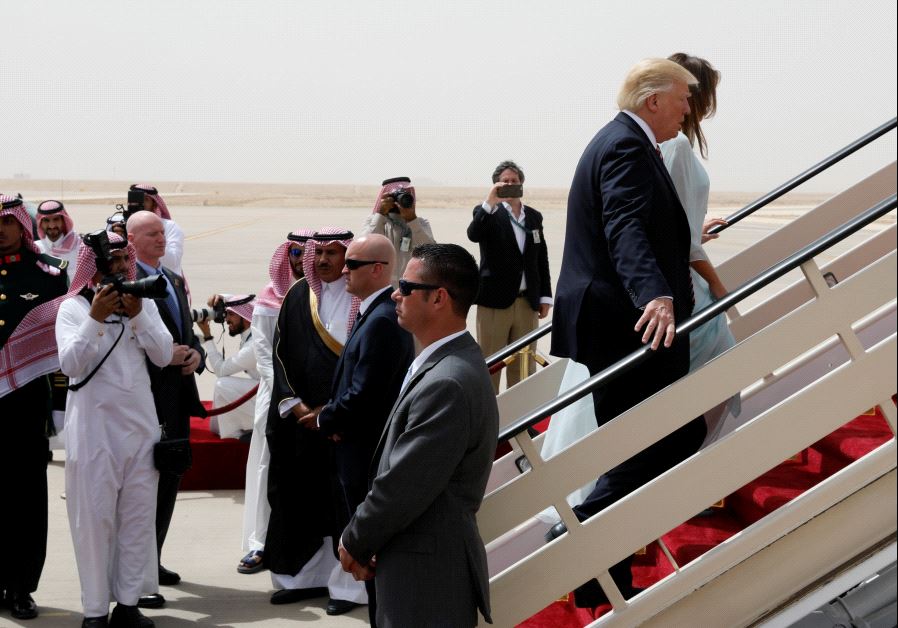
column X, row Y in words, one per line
column 515, row 287
column 105, row 333
column 236, row 311
column 394, row 217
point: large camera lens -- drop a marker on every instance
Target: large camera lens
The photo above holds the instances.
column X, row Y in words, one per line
column 201, row 315
column 146, row 288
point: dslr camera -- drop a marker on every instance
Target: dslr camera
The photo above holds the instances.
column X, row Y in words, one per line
column 402, row 196
column 217, row 313
column 146, row 288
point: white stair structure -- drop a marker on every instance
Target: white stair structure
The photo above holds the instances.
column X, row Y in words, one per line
column 808, row 359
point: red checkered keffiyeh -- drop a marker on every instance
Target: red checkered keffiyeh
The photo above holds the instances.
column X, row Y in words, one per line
column 233, row 303
column 327, row 235
column 391, row 185
column 30, row 351
column 161, row 209
column 69, row 240
column 87, row 264
column 269, row 301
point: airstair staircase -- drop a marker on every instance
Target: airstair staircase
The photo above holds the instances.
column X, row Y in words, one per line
column 810, row 357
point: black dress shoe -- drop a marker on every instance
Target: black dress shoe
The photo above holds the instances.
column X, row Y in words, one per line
column 95, row 622
column 338, row 607
column 167, row 577
column 555, row 531
column 154, row 600
column 22, row 606
column 288, row 596
column 129, row 617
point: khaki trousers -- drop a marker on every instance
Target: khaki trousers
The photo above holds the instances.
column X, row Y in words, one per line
column 497, row 328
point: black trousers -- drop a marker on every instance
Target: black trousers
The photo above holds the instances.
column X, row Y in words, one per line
column 23, row 484
column 661, row 369
column 352, row 460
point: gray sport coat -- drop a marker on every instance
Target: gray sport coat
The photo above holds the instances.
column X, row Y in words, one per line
column 429, row 474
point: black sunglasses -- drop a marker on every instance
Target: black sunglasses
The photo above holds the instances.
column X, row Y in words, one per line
column 353, row 264
column 296, row 252
column 407, row 287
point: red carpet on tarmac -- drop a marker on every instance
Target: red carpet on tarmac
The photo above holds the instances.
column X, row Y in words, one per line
column 218, row 463
column 744, row 507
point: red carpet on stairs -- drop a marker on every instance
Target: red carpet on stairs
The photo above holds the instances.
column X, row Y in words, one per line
column 750, row 503
column 218, row 463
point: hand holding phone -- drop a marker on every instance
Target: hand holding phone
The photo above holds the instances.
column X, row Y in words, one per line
column 510, row 191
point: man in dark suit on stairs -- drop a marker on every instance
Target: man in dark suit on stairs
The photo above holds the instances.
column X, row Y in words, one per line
column 625, row 279
column 514, row 269
column 174, row 387
column 369, row 372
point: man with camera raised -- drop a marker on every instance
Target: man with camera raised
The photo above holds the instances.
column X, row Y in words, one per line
column 174, row 387
column 394, row 216
column 236, row 311
column 105, row 333
column 515, row 287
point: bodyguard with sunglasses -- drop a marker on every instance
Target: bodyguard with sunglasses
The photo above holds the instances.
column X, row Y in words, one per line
column 416, row 531
column 367, row 378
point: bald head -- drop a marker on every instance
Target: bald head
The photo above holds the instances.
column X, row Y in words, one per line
column 367, row 279
column 147, row 233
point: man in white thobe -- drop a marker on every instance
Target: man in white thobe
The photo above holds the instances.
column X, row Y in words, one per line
column 104, row 339
column 284, row 269
column 237, row 375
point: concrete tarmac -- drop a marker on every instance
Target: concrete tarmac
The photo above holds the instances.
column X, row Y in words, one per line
column 228, row 250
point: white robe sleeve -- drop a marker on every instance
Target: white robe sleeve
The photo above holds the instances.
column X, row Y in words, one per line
column 152, row 335
column 174, row 246
column 78, row 337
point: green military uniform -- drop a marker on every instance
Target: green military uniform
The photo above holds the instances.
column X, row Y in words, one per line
column 24, row 413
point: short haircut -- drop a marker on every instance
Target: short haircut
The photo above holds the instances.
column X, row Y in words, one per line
column 507, row 165
column 453, row 268
column 650, row 76
column 703, row 103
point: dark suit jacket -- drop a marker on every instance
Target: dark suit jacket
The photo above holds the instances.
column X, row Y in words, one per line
column 369, row 373
column 429, row 474
column 627, row 242
column 366, row 383
column 176, row 395
column 501, row 261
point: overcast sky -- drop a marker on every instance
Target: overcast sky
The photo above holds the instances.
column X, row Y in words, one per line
column 354, row 92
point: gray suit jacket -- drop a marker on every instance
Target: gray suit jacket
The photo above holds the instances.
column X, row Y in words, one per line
column 419, row 518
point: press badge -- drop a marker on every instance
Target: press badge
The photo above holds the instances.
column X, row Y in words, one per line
column 536, row 239
column 405, row 244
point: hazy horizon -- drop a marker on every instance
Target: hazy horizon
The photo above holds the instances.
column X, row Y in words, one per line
column 352, row 93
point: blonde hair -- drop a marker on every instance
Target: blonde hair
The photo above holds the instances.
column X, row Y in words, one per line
column 648, row 77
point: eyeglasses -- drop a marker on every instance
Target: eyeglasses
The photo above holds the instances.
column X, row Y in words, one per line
column 407, row 287
column 354, row 264
column 296, row 252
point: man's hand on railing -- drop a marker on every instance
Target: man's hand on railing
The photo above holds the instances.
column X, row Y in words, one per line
column 658, row 320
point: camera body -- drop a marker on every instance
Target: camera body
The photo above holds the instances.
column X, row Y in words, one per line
column 402, row 198
column 217, row 313
column 147, row 288
column 99, row 243
column 135, row 202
